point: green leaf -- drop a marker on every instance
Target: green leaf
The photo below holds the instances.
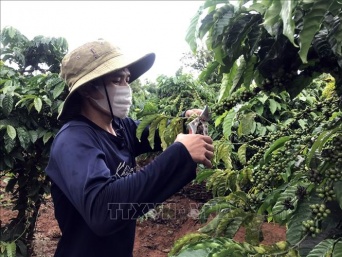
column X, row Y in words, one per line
column 261, row 130
column 275, row 145
column 8, row 86
column 273, row 105
column 227, row 83
column 184, row 241
column 7, row 104
column 149, row 108
column 59, row 88
column 311, row 24
column 161, row 129
column 220, row 118
column 46, row 137
column 239, row 76
column 231, row 180
column 208, row 71
column 319, row 143
column 190, row 37
column 212, row 225
column 47, row 100
column 146, row 120
column 23, row 99
column 9, row 143
column 335, row 34
column 24, row 137
column 206, row 24
column 11, row 249
column 152, row 129
column 324, row 248
column 195, row 253
column 245, row 176
column 253, row 39
column 259, row 109
column 219, row 55
column 174, row 128
column 295, row 233
column 242, row 153
column 280, row 214
column 11, row 132
column 271, row 16
column 38, row 104
column 11, row 32
column 238, row 196
column 337, row 249
column 262, row 98
column 60, row 107
column 223, row 152
column 254, row 229
column 230, row 222
column 234, row 44
column 286, row 15
column 249, row 72
column 302, row 123
column 33, row 135
column 247, row 124
column 221, row 23
column 214, row 205
column 204, row 174
column 269, row 202
column 228, row 123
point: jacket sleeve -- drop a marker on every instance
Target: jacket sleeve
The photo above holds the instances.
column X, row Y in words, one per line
column 77, row 166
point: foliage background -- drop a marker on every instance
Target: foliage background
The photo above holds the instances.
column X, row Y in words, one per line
column 270, row 71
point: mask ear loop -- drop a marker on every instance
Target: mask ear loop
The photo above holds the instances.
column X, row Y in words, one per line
column 110, row 106
column 120, row 122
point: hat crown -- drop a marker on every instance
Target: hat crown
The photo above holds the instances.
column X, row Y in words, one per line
column 85, row 59
column 94, row 60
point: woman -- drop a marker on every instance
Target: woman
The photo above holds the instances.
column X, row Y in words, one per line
column 96, row 191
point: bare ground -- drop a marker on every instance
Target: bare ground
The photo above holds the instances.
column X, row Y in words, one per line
column 155, row 233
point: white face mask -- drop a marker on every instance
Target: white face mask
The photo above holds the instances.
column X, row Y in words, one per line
column 120, row 98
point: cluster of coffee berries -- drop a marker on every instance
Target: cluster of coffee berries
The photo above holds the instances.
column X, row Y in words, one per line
column 334, row 173
column 319, row 210
column 326, row 192
column 315, row 176
column 311, row 227
column 278, row 80
column 228, row 103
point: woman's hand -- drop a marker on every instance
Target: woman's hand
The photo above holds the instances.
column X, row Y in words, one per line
column 191, row 112
column 199, row 146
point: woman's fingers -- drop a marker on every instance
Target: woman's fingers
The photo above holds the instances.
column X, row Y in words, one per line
column 199, row 146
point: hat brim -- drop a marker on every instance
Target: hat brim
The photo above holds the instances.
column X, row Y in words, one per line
column 137, row 67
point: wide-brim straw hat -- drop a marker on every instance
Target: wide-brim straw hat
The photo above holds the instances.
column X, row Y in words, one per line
column 93, row 60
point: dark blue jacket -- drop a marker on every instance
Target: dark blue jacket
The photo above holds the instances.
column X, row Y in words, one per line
column 98, row 194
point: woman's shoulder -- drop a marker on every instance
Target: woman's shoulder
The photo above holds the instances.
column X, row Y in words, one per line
column 77, row 128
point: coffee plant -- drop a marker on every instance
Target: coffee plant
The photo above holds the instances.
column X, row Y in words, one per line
column 164, row 110
column 278, row 128
column 31, row 94
column 30, row 99
column 276, row 122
